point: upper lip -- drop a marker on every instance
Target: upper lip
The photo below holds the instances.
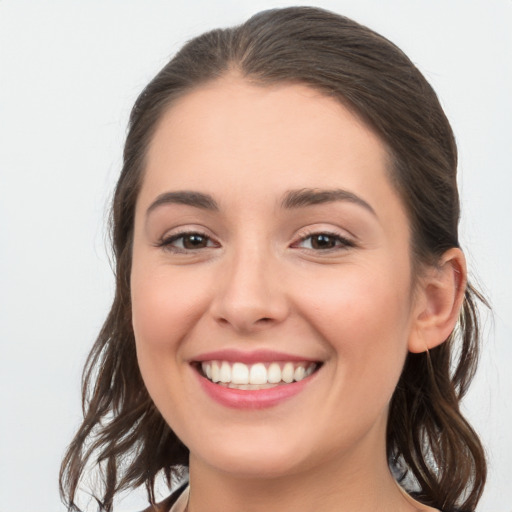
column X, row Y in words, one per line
column 249, row 357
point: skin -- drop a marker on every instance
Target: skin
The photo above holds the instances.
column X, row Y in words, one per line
column 260, row 283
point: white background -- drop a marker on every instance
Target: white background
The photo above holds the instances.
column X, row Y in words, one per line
column 69, row 73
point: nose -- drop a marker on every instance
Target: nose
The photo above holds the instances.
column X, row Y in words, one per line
column 250, row 295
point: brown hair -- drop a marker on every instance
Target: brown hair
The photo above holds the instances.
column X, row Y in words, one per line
column 429, row 443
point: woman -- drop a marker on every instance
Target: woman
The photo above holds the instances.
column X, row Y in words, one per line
column 292, row 319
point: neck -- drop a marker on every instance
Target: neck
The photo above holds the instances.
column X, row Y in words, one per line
column 331, row 487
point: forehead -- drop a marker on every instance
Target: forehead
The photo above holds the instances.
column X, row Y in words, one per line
column 231, row 133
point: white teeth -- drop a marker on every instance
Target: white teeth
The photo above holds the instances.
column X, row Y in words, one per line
column 287, row 373
column 215, row 371
column 240, row 374
column 299, row 373
column 225, row 372
column 257, row 376
column 274, row 373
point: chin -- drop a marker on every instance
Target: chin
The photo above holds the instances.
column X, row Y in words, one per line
column 254, row 460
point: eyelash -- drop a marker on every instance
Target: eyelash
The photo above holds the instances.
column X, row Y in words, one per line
column 166, row 243
column 341, row 243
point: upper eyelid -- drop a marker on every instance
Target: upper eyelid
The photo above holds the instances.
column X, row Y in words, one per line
column 300, row 235
column 181, row 234
column 167, row 239
column 187, row 230
column 322, row 232
column 333, row 231
column 346, row 241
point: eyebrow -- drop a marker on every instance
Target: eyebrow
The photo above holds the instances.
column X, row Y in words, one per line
column 292, row 199
column 186, row 197
column 310, row 196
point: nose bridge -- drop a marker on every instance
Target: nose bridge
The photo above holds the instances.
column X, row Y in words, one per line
column 249, row 295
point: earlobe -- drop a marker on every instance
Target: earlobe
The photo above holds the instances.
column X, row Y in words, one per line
column 439, row 299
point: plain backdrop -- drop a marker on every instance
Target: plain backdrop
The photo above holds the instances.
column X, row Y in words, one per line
column 69, row 73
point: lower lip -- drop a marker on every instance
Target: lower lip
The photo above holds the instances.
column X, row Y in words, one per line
column 252, row 398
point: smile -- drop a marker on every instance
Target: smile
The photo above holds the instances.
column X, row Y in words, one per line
column 254, row 380
column 238, row 375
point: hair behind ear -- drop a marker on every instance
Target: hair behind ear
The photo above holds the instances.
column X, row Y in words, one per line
column 426, row 432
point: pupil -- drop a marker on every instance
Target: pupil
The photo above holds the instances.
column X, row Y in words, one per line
column 323, row 242
column 194, row 241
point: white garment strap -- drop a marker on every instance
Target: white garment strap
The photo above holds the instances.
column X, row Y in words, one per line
column 181, row 503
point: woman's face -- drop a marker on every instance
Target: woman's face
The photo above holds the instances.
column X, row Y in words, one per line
column 270, row 248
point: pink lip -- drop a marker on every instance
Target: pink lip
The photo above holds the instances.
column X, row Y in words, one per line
column 252, row 399
column 255, row 356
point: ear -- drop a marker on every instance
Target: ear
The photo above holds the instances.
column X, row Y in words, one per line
column 438, row 301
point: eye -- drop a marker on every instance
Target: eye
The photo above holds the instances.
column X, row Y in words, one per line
column 191, row 241
column 323, row 242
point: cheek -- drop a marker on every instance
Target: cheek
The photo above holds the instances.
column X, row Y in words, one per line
column 165, row 307
column 364, row 316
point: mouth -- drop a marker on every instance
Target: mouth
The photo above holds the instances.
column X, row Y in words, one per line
column 256, row 376
column 255, row 379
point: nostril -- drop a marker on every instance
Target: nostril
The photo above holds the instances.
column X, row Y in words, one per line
column 243, row 325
